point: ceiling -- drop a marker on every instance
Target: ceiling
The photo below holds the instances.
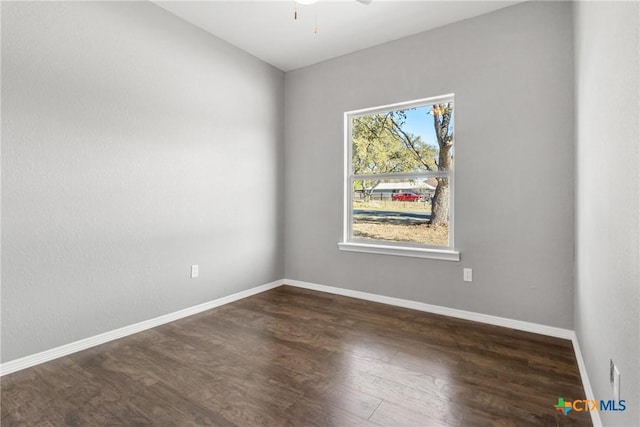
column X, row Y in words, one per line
column 267, row 29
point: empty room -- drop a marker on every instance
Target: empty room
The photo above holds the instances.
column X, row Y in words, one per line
column 320, row 213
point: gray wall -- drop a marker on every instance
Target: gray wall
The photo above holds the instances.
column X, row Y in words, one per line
column 607, row 300
column 134, row 145
column 127, row 156
column 512, row 74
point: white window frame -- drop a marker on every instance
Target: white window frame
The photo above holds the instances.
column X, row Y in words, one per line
column 348, row 243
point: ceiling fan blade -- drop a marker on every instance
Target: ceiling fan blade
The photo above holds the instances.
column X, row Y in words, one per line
column 364, row 1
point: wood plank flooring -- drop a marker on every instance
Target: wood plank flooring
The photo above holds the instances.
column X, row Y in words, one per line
column 302, row 358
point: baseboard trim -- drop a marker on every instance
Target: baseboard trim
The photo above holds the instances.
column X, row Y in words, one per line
column 83, row 344
column 64, row 350
column 469, row 315
column 436, row 309
column 586, row 384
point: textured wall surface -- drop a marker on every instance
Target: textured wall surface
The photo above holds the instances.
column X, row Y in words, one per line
column 607, row 294
column 512, row 75
column 133, row 145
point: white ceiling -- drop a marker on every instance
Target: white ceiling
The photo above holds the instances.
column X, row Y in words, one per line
column 267, row 30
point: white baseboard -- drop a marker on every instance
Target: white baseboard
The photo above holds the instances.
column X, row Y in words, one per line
column 436, row 309
column 588, row 391
column 64, row 350
column 469, row 315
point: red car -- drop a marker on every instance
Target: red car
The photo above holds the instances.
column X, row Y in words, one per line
column 405, row 197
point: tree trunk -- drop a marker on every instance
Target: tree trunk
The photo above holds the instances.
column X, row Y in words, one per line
column 368, row 192
column 440, row 204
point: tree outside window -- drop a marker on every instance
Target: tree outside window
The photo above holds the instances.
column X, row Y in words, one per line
column 400, row 174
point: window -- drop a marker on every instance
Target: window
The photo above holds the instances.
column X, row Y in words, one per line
column 399, row 170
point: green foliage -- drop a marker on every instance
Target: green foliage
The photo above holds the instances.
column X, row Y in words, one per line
column 381, row 145
column 376, row 149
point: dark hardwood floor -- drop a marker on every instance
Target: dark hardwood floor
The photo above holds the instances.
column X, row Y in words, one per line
column 303, row 358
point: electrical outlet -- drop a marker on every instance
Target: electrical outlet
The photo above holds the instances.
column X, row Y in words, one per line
column 194, row 271
column 611, row 366
column 614, row 380
column 616, row 384
column 467, row 274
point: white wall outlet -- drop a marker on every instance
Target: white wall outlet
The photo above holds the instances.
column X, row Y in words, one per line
column 611, row 366
column 194, row 271
column 614, row 380
column 616, row 384
column 467, row 274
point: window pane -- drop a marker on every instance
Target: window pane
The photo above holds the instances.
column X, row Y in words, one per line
column 400, row 210
column 409, row 140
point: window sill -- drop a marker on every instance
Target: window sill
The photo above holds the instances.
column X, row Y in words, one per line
column 441, row 254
